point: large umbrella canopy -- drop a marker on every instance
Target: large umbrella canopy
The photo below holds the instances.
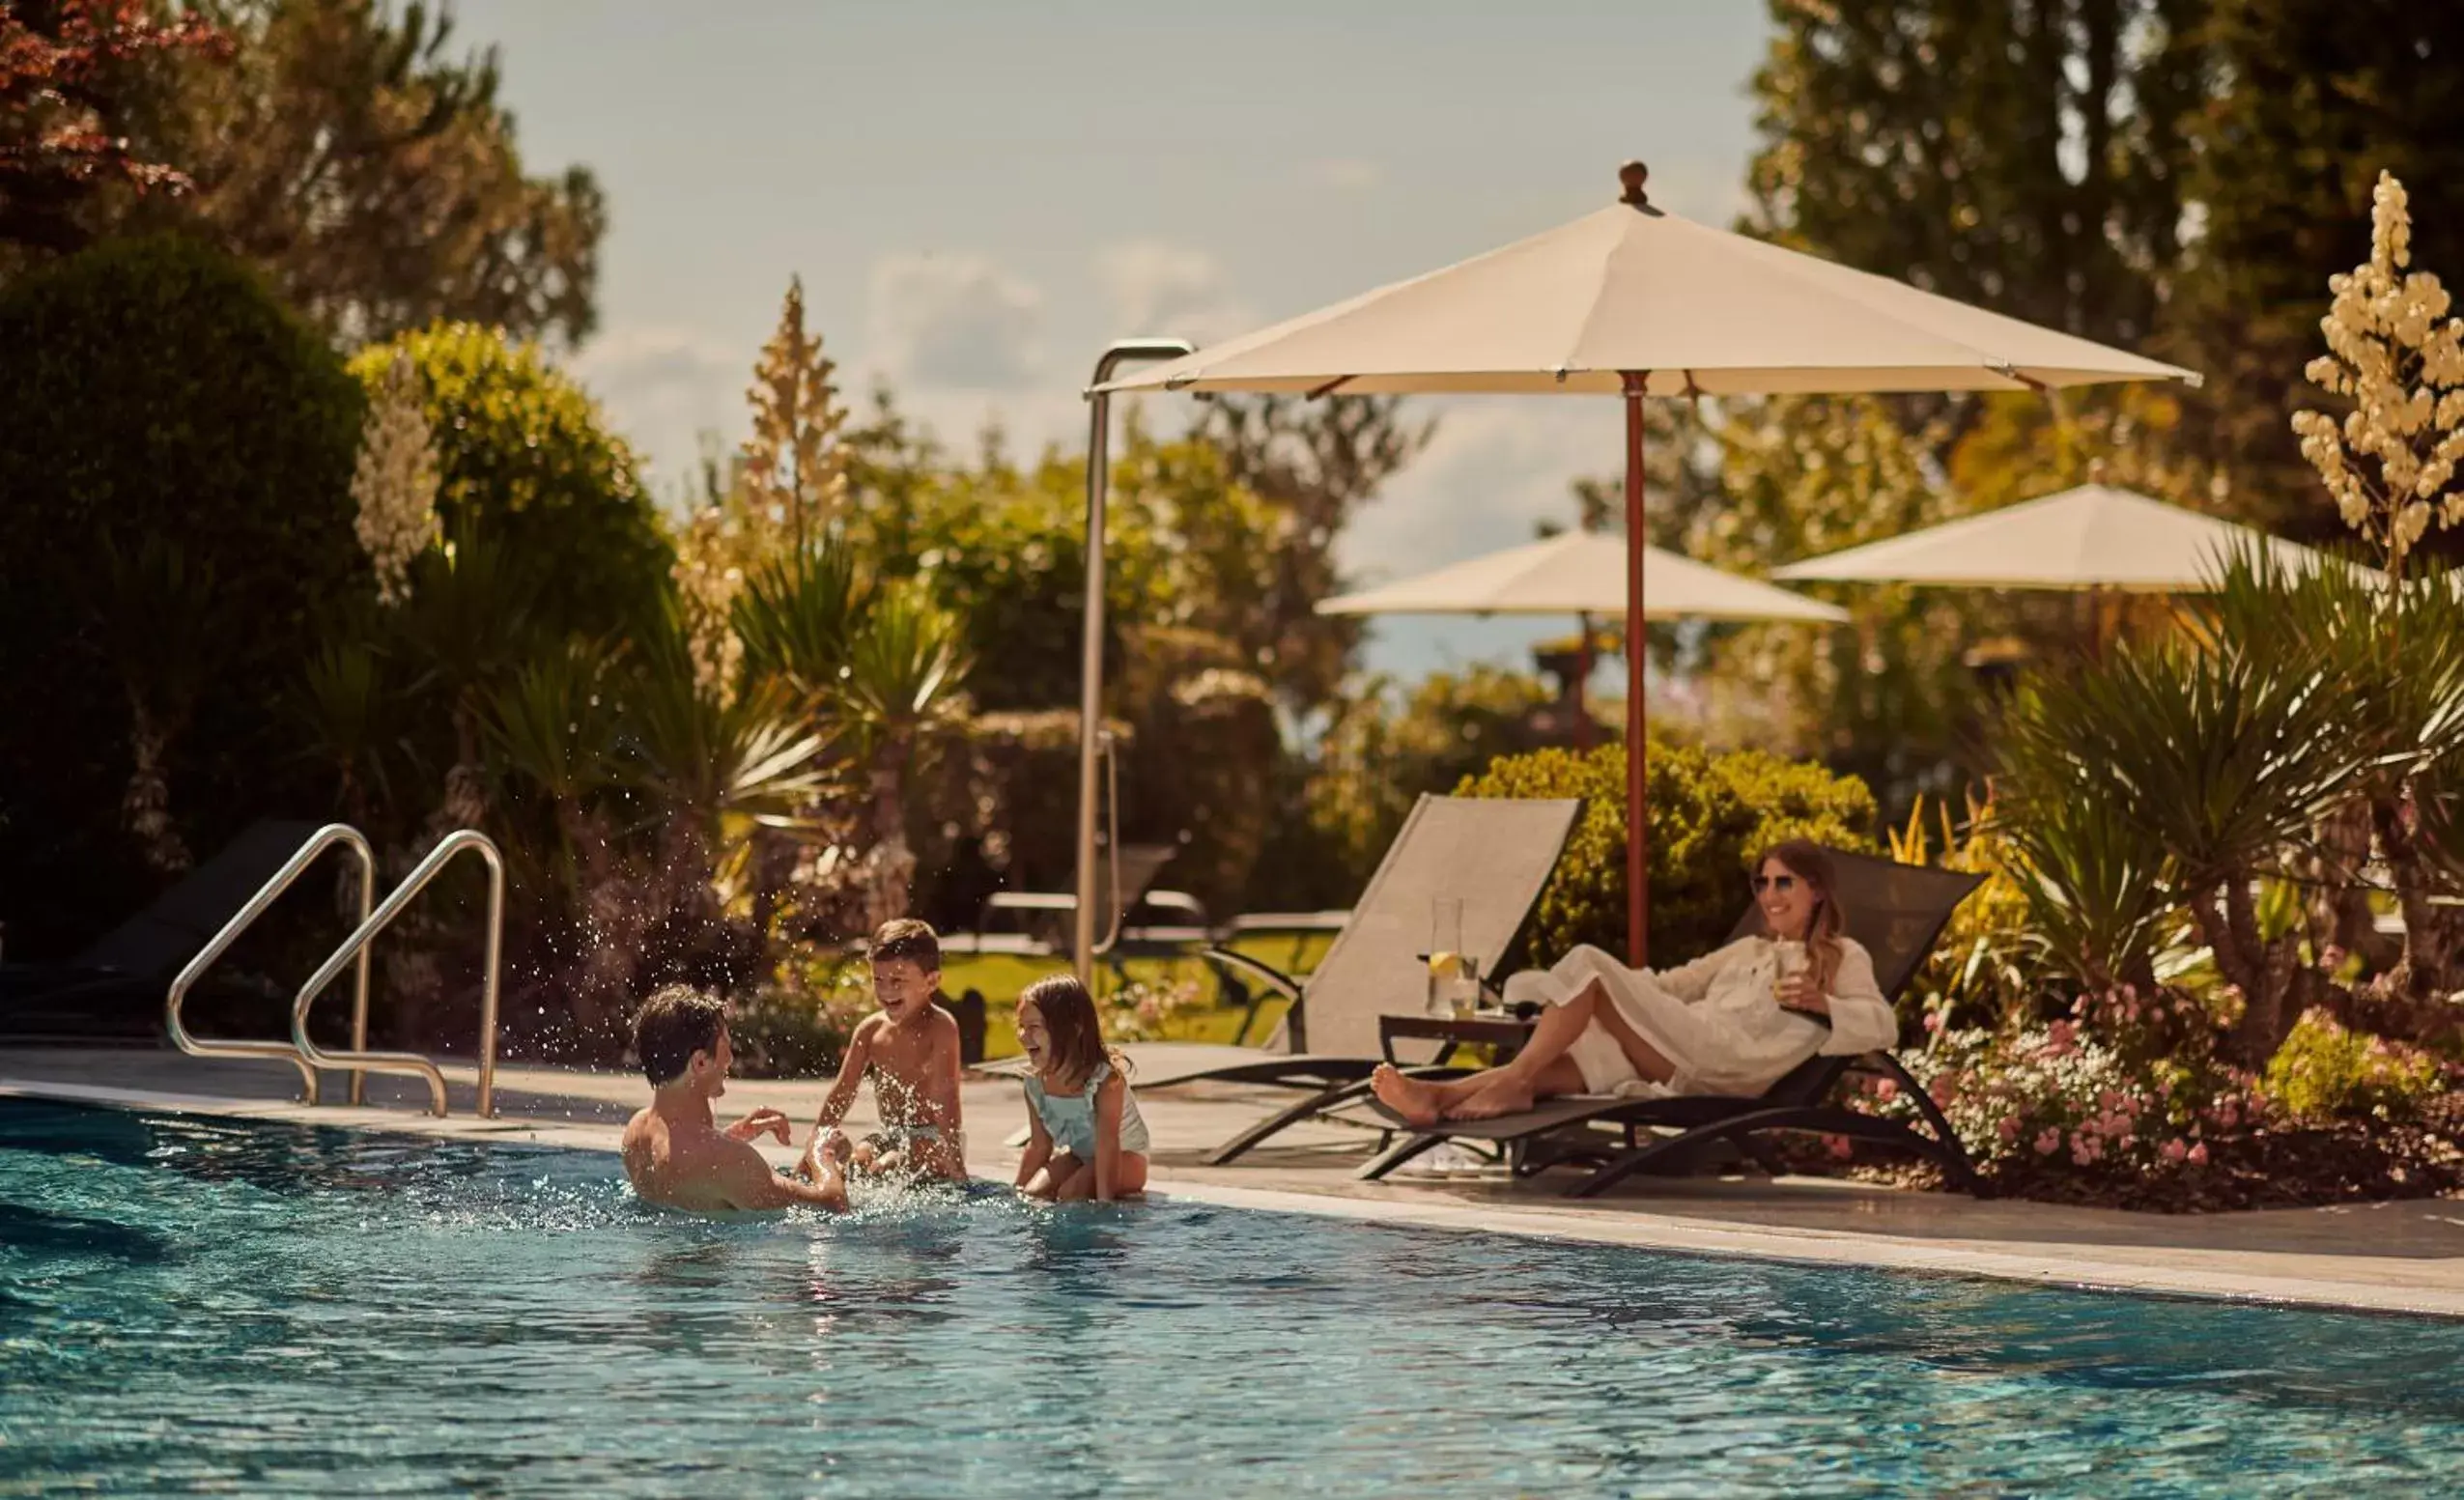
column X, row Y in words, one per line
column 1632, row 301
column 1634, row 288
column 2091, row 537
column 1582, row 573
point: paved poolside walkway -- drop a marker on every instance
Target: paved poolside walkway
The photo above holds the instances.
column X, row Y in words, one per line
column 2405, row 1257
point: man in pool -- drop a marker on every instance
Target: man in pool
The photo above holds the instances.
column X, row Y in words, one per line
column 674, row 1151
column 910, row 1048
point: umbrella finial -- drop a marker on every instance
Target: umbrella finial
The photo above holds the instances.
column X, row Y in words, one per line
column 1632, row 177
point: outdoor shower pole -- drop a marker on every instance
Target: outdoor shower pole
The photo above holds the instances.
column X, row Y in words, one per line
column 1090, row 695
column 1638, row 864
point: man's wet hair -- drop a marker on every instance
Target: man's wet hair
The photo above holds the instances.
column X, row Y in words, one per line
column 673, row 1023
column 905, row 937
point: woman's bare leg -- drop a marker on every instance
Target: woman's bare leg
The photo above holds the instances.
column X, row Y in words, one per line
column 1541, row 1065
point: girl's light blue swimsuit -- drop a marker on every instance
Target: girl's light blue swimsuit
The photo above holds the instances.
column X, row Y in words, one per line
column 1069, row 1118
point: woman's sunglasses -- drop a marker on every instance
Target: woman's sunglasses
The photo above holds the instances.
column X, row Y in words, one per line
column 1783, row 883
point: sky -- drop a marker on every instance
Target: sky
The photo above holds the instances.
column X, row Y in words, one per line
column 980, row 194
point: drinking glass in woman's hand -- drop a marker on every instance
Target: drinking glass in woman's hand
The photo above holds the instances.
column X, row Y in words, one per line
column 1797, row 992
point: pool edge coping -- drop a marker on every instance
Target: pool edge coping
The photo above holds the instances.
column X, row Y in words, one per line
column 1642, row 1230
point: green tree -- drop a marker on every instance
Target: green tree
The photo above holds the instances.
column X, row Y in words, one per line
column 157, row 389
column 2311, row 100
column 526, row 460
column 68, row 72
column 2023, row 154
column 1313, row 464
column 365, row 164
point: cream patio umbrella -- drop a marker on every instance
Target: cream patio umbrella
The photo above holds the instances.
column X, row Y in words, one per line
column 1631, row 302
column 1583, row 573
column 2093, row 537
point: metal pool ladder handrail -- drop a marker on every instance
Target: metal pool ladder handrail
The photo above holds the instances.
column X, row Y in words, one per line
column 356, row 946
column 319, row 842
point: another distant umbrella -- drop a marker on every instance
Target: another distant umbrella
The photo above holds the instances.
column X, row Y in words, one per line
column 2093, row 537
column 1583, row 573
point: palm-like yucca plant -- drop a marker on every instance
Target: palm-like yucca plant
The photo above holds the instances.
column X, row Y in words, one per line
column 155, row 603
column 552, row 726
column 467, row 625
column 906, row 670
column 709, row 764
column 2097, row 883
column 797, row 615
column 2223, row 758
column 2395, row 654
column 350, row 718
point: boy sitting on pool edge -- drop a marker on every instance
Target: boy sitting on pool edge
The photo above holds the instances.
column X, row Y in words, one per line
column 674, row 1152
column 910, row 1048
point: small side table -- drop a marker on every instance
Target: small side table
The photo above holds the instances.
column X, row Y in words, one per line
column 1493, row 1027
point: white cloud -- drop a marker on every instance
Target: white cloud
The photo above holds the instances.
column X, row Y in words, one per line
column 1350, row 173
column 958, row 321
column 662, row 387
column 1169, row 290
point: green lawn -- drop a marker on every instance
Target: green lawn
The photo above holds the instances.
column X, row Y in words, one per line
column 1001, row 976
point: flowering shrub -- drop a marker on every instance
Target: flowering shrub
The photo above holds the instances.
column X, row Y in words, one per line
column 2124, row 1079
column 1144, row 1012
column 2324, row 1072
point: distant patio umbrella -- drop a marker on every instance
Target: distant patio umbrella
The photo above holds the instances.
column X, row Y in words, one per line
column 1583, row 574
column 1629, row 301
column 2093, row 537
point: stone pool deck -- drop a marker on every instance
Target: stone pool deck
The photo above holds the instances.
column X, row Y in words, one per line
column 2397, row 1258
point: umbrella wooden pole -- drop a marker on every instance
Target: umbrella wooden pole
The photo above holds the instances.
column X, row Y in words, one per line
column 1637, row 718
column 1583, row 658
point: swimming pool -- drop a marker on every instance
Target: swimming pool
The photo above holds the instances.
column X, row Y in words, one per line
column 194, row 1304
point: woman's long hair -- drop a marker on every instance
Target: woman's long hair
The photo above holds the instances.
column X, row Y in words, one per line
column 1827, row 925
column 1077, row 1033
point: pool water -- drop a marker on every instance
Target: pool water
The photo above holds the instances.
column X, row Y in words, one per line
column 192, row 1305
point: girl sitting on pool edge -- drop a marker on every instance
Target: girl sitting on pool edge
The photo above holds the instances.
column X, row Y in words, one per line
column 1086, row 1137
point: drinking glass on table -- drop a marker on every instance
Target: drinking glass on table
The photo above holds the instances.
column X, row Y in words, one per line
column 1454, row 976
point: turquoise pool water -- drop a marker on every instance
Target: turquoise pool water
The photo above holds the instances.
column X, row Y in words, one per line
column 193, row 1305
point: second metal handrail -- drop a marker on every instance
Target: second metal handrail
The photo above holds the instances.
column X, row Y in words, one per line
column 319, row 842
column 356, row 946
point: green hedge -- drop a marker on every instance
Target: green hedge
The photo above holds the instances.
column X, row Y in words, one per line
column 1711, row 813
column 156, row 388
column 524, row 458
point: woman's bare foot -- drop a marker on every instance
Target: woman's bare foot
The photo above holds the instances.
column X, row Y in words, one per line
column 1416, row 1102
column 1504, row 1094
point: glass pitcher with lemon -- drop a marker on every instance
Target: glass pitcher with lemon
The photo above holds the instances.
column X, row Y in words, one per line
column 1454, row 976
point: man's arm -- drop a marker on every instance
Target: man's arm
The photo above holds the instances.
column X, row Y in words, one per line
column 748, row 1181
column 851, row 1076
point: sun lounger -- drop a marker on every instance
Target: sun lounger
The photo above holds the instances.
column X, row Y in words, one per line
column 1898, row 912
column 113, row 990
column 1493, row 854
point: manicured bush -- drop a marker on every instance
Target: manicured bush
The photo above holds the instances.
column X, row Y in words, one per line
column 156, row 388
column 524, row 458
column 1709, row 814
column 2324, row 1072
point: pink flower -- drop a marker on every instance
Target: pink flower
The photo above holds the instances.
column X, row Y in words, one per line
column 2175, row 1150
column 2060, row 1037
column 1887, row 1090
column 1933, row 1020
column 1840, row 1147
column 2198, row 1154
column 2331, row 957
column 2227, row 1115
column 2048, row 1143
column 2008, row 1130
column 1946, row 1087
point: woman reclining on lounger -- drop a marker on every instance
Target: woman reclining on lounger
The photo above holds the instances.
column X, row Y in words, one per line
column 1731, row 1023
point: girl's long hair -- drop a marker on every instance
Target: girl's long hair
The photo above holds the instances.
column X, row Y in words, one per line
column 1077, row 1033
column 1824, row 929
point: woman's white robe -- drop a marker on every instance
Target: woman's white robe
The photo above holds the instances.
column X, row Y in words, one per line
column 1718, row 1018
